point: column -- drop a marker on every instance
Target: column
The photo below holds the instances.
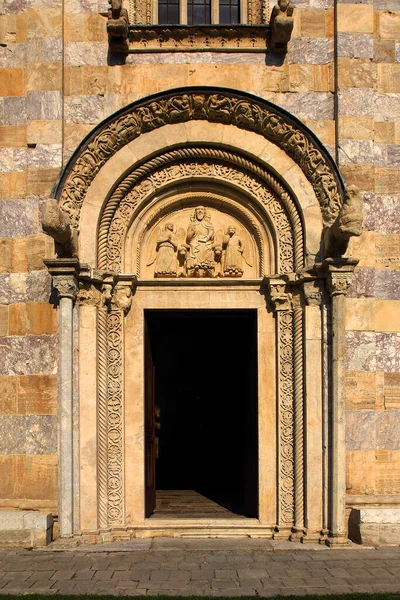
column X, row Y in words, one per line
column 281, row 301
column 339, row 275
column 64, row 272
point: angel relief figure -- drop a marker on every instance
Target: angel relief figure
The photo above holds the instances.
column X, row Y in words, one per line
column 234, row 256
column 166, row 248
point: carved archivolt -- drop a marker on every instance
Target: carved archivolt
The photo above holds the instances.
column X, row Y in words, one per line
column 136, row 190
column 222, row 107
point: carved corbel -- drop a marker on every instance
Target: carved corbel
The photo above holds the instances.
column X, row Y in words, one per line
column 117, row 27
column 347, row 224
column 56, row 223
column 281, row 23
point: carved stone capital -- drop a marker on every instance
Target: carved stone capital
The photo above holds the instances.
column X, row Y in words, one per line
column 66, row 286
column 279, row 296
column 313, row 292
column 339, row 276
column 64, row 272
column 121, row 298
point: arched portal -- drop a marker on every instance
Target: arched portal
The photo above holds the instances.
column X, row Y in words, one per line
column 210, row 201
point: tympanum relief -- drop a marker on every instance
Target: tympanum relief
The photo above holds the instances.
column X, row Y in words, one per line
column 200, row 242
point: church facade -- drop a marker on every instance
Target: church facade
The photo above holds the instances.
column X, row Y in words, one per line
column 199, row 272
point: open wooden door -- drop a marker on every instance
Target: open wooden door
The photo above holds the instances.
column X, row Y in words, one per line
column 150, row 434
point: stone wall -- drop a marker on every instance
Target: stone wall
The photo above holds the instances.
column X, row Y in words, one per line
column 59, row 81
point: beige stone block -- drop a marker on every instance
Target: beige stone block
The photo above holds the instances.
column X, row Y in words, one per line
column 3, row 320
column 355, row 18
column 19, row 259
column 360, row 314
column 392, row 391
column 384, row 132
column 17, row 319
column 389, row 25
column 387, row 181
column 363, row 247
column 99, row 80
column 379, row 387
column 41, row 318
column 12, row 468
column 36, row 246
column 323, row 78
column 388, row 250
column 21, row 36
column 13, row 185
column 44, row 76
column 8, row 395
column 12, row 136
column 324, row 130
column 397, row 133
column 356, row 73
column 356, row 128
column 37, row 395
column 387, row 315
column 12, row 82
column 329, row 23
column 360, row 390
column 41, row 181
column 73, row 81
column 388, row 78
column 6, row 251
column 301, row 78
column 44, row 132
column 313, row 23
column 95, row 27
column 360, row 175
column 44, row 23
column 74, row 27
column 269, row 78
column 387, row 474
column 360, row 472
column 8, row 29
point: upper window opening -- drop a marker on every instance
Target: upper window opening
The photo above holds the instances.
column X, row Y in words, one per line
column 168, row 12
column 229, row 12
column 198, row 12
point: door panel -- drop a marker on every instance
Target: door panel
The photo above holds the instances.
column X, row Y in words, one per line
column 150, row 436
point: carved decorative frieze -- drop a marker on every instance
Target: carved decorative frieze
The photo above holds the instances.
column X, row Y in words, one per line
column 202, row 39
column 215, row 107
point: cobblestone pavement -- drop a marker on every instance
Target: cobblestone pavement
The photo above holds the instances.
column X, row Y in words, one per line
column 200, row 567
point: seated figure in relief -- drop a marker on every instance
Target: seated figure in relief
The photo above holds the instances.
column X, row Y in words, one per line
column 166, row 247
column 199, row 238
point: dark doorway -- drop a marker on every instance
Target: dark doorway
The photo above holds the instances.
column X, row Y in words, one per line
column 201, row 413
